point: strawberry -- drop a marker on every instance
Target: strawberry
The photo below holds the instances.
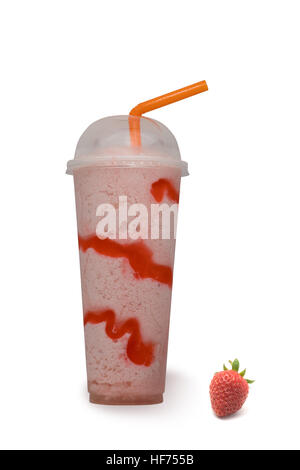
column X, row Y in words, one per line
column 229, row 390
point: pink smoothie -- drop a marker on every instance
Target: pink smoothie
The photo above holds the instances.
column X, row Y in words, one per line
column 126, row 287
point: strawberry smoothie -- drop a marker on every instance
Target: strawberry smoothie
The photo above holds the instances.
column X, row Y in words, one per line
column 126, row 285
column 127, row 173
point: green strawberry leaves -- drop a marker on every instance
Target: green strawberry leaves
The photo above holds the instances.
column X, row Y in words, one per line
column 235, row 366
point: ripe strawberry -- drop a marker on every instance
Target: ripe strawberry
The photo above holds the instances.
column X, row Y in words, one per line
column 229, row 390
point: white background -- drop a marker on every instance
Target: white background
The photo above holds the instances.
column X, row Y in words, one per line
column 67, row 63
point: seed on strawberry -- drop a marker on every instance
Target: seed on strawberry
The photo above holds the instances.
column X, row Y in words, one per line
column 229, row 390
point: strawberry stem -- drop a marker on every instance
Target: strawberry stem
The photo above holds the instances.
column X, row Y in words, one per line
column 235, row 366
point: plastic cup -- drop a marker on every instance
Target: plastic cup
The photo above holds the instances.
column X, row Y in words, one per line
column 126, row 200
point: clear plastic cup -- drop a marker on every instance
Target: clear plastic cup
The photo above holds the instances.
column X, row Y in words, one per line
column 127, row 200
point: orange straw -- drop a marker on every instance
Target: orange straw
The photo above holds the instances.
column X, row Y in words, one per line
column 159, row 102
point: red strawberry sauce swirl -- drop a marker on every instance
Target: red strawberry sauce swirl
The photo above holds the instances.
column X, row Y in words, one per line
column 138, row 351
column 137, row 253
column 163, row 187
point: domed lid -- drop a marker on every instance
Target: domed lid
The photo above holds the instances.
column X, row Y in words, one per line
column 112, row 142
